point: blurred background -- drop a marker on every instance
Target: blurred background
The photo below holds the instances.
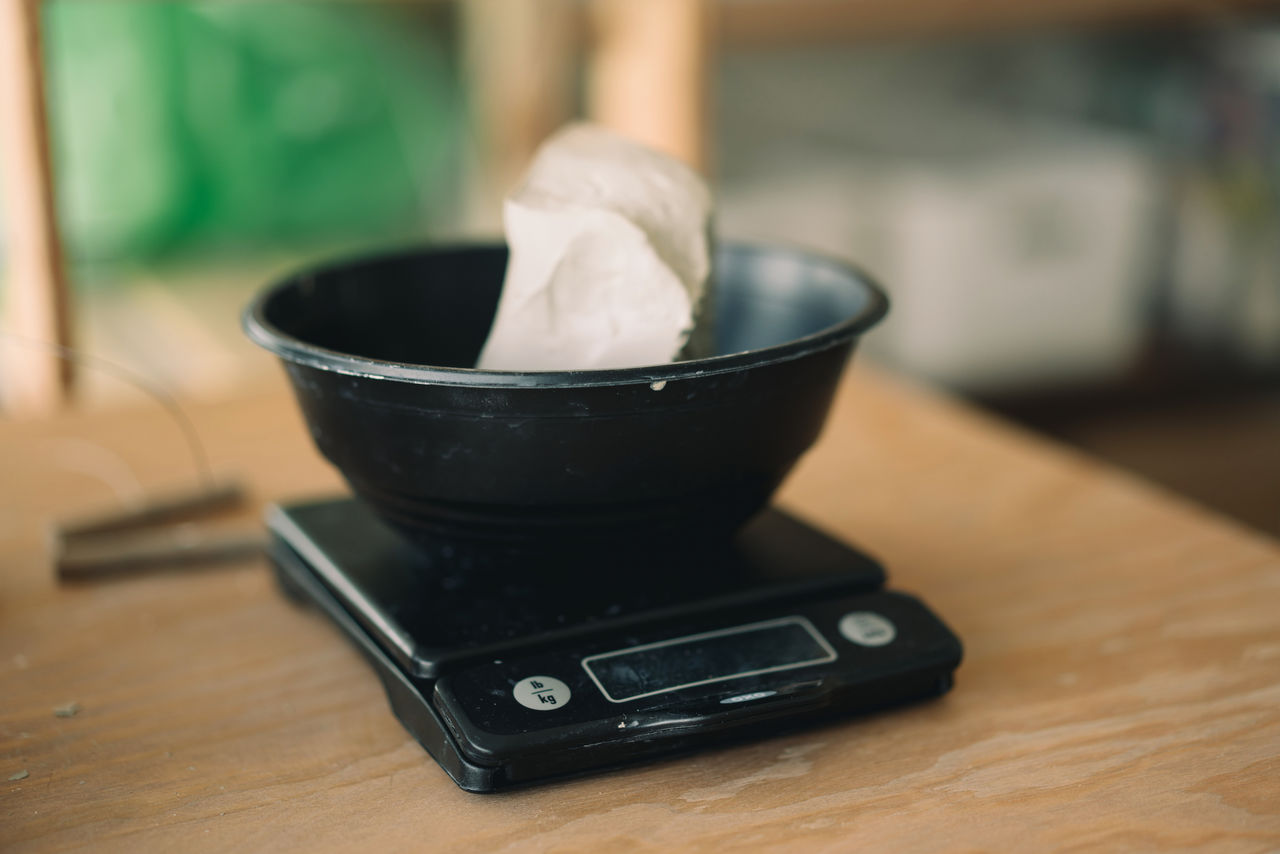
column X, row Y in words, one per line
column 1074, row 206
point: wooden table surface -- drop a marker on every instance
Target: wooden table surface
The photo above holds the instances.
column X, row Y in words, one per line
column 1121, row 687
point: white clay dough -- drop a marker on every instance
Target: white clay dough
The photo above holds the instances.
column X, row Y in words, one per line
column 609, row 261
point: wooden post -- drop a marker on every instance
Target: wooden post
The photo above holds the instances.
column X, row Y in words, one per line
column 647, row 73
column 519, row 61
column 38, row 302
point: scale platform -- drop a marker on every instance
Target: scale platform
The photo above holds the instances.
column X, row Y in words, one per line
column 512, row 668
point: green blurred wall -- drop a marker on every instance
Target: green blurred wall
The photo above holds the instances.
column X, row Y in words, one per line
column 188, row 128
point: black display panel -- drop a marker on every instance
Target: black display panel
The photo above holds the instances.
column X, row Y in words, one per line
column 656, row 668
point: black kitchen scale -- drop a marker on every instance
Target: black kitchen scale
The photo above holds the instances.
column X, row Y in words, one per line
column 512, row 667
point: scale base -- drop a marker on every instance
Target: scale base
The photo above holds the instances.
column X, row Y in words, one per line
column 510, row 674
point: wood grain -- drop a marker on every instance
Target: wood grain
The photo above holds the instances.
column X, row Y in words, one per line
column 1121, row 688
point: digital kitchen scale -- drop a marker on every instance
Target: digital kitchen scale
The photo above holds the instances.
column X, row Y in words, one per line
column 513, row 667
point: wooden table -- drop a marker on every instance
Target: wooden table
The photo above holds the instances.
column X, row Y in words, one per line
column 1121, row 687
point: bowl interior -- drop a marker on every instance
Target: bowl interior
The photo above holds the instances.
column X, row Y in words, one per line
column 436, row 308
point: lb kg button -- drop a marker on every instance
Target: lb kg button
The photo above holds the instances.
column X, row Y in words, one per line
column 867, row 628
column 541, row 693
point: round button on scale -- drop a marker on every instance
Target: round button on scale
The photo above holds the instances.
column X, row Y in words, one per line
column 541, row 693
column 867, row 628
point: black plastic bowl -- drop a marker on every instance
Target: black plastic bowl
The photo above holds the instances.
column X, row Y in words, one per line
column 380, row 351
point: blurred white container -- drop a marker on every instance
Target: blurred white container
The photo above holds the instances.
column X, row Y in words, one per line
column 1014, row 256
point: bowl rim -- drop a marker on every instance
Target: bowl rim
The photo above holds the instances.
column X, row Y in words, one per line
column 292, row 349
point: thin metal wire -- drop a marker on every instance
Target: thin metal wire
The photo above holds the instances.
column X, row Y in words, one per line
column 139, row 381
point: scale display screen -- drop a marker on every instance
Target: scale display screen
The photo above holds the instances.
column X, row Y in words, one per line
column 670, row 665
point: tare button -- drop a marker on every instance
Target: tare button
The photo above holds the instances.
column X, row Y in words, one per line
column 541, row 693
column 867, row 628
